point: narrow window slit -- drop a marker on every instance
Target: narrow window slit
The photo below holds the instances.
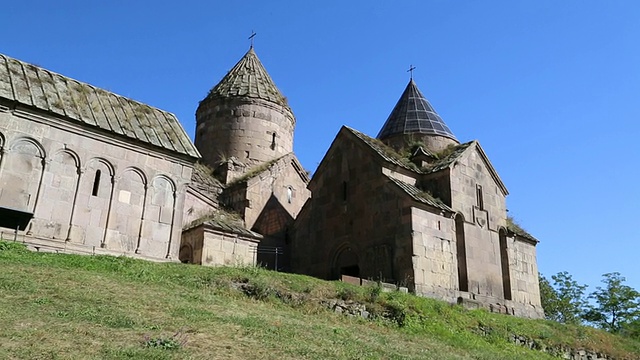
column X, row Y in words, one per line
column 96, row 183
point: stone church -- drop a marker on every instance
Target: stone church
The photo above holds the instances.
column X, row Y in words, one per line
column 84, row 170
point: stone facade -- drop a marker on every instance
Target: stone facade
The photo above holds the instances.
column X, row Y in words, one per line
column 252, row 131
column 101, row 173
column 89, row 188
column 215, row 244
column 419, row 209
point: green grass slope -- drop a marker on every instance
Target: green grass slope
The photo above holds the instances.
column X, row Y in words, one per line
column 81, row 307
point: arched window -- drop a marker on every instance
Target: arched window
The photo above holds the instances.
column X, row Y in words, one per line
column 96, row 183
column 504, row 263
column 289, row 194
column 463, row 277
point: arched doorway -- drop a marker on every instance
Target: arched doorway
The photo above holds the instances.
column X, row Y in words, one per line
column 347, row 262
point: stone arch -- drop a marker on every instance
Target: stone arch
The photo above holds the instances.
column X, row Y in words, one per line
column 93, row 202
column 2, row 140
column 186, row 254
column 346, row 261
column 461, row 253
column 21, row 177
column 58, row 195
column 504, row 264
column 159, row 216
column 124, row 225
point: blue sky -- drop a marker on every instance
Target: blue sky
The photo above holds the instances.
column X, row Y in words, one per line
column 549, row 88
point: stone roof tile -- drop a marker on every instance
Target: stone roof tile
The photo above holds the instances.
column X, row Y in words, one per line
column 248, row 78
column 204, row 182
column 413, row 114
column 390, row 155
column 45, row 90
column 419, row 195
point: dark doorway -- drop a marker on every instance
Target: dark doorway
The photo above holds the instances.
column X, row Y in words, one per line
column 353, row 270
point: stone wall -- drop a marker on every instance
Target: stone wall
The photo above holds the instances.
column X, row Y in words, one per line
column 523, row 263
column 91, row 188
column 355, row 223
column 471, row 178
column 434, row 253
column 269, row 202
column 210, row 246
column 251, row 130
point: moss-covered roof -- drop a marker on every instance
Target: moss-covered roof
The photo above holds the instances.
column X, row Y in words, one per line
column 248, row 78
column 204, row 182
column 445, row 159
column 420, row 195
column 45, row 90
column 221, row 219
column 516, row 229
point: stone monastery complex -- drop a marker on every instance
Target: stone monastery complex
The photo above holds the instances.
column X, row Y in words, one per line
column 87, row 171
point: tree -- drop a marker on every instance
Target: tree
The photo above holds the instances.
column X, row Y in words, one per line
column 548, row 298
column 564, row 302
column 617, row 306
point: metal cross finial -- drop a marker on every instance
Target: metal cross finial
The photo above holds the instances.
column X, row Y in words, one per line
column 411, row 68
column 253, row 34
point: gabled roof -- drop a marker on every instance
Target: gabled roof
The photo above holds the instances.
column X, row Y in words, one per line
column 261, row 168
column 387, row 153
column 203, row 181
column 446, row 161
column 248, row 78
column 419, row 195
column 413, row 114
column 45, row 90
column 516, row 229
column 390, row 155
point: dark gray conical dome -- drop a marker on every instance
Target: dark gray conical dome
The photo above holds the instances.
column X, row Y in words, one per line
column 414, row 115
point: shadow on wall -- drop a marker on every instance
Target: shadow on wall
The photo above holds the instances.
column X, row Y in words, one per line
column 274, row 223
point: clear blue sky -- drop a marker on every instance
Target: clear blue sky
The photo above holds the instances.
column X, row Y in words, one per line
column 550, row 88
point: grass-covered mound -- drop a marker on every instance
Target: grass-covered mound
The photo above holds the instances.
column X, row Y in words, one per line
column 95, row 307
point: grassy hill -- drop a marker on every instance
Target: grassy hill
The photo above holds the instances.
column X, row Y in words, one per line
column 99, row 307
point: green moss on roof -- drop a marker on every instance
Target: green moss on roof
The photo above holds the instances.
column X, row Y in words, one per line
column 224, row 220
column 419, row 195
column 515, row 228
column 45, row 90
column 444, row 158
column 248, row 78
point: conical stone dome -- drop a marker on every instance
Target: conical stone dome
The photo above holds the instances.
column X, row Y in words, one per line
column 413, row 114
column 248, row 78
column 244, row 120
column 414, row 119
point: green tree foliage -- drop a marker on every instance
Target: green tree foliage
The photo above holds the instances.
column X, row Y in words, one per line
column 549, row 299
column 617, row 306
column 570, row 301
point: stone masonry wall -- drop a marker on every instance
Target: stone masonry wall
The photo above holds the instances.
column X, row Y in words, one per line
column 251, row 130
column 523, row 264
column 434, row 253
column 481, row 224
column 91, row 188
column 346, row 222
column 223, row 248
